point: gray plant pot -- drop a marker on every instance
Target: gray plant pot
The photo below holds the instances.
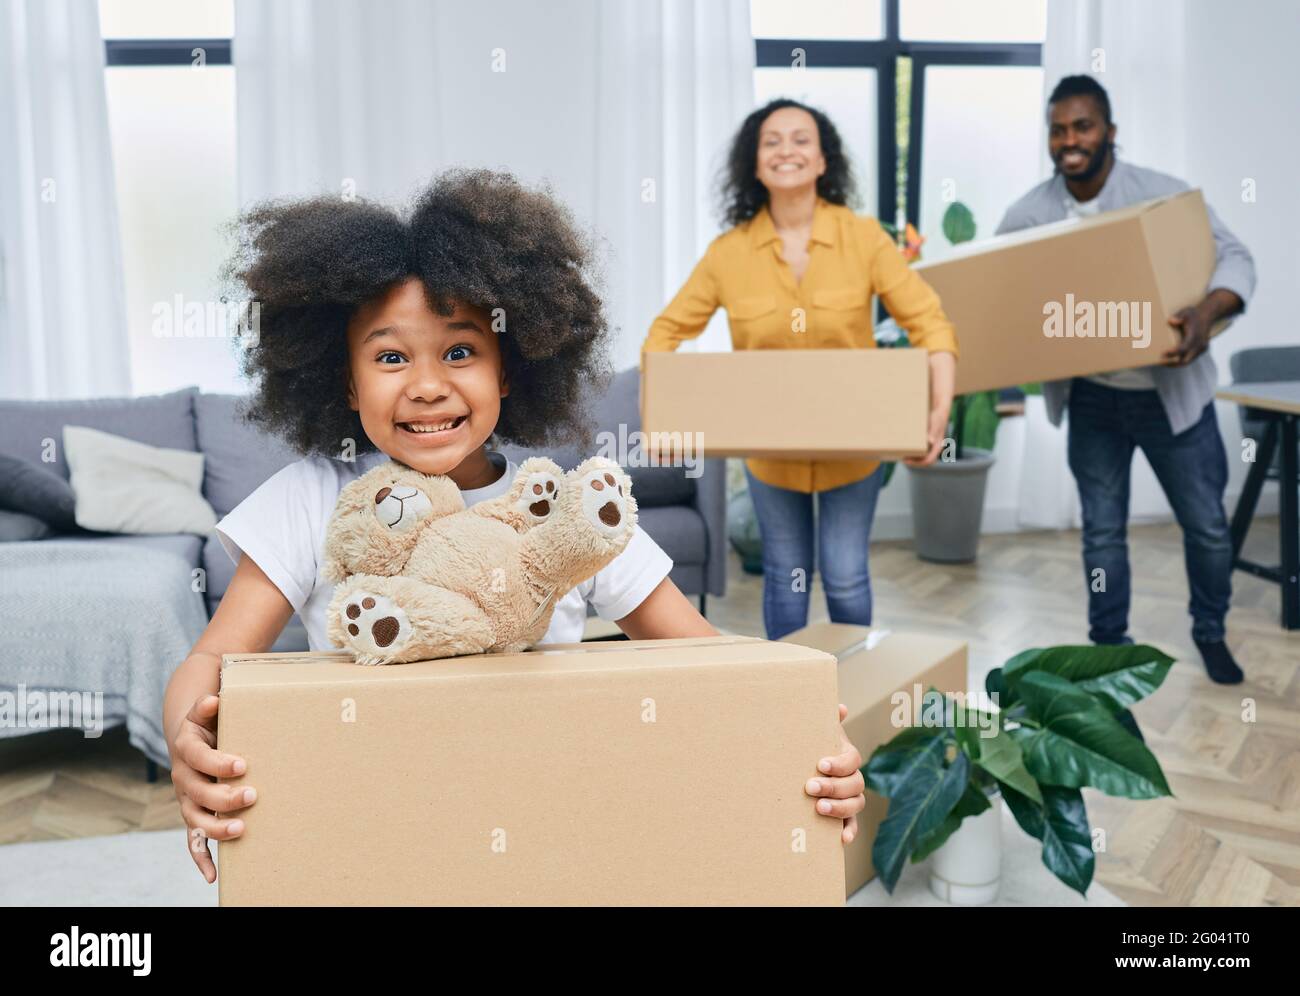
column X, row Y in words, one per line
column 742, row 530
column 947, row 505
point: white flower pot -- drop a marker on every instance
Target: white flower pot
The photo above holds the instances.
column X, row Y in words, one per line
column 966, row 869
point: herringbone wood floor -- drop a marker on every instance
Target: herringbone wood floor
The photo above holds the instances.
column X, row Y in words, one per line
column 1229, row 836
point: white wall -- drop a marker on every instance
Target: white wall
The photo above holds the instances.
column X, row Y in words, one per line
column 1240, row 114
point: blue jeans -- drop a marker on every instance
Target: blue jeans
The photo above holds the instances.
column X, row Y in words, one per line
column 843, row 530
column 1105, row 425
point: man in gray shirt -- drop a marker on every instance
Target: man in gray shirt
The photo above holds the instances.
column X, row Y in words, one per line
column 1166, row 409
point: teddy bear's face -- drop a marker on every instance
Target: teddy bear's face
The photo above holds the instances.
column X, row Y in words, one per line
column 402, row 507
column 378, row 513
column 399, row 497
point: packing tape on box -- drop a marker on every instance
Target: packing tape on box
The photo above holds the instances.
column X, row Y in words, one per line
column 869, row 642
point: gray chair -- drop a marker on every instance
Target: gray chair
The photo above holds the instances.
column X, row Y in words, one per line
column 687, row 516
column 1261, row 365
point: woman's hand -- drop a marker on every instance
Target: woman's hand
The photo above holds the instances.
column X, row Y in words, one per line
column 840, row 788
column 196, row 764
column 943, row 377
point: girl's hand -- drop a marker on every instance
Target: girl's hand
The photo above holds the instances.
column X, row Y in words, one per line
column 196, row 765
column 840, row 786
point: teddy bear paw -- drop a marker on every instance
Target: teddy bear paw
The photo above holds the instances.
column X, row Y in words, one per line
column 606, row 501
column 541, row 492
column 375, row 627
column 402, row 507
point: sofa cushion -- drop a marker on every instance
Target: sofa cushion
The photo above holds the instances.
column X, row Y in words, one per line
column 35, row 490
column 187, row 547
column 156, row 419
column 128, row 487
column 679, row 530
column 238, row 457
column 19, row 527
column 219, row 569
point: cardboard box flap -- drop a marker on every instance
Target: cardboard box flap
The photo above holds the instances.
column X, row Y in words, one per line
column 890, row 659
column 1040, row 233
column 838, row 639
column 246, row 670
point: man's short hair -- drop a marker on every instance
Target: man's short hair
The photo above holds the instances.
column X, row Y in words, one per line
column 1082, row 86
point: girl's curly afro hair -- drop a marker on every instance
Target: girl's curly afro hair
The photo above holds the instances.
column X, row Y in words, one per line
column 472, row 236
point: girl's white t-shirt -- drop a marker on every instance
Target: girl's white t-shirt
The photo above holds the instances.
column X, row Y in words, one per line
column 281, row 526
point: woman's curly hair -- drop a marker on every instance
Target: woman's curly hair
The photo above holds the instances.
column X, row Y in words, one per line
column 742, row 193
column 472, row 236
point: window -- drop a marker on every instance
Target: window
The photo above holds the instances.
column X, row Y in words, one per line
column 171, row 109
column 920, row 90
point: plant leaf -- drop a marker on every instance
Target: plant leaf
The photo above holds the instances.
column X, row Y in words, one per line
column 969, row 739
column 1002, row 758
column 972, row 803
column 918, row 807
column 979, row 423
column 1127, row 721
column 1118, row 675
column 958, row 223
column 891, row 763
column 996, row 686
column 1061, row 823
column 1080, row 743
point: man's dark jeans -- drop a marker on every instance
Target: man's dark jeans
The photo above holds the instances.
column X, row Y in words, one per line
column 1105, row 424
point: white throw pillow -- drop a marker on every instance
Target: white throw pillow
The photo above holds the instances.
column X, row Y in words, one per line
column 127, row 487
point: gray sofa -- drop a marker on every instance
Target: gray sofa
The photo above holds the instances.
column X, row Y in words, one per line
column 162, row 589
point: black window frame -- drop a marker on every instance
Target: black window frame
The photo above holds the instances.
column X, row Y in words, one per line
column 883, row 55
column 166, row 51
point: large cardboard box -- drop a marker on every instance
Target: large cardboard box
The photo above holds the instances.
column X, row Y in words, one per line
column 874, row 664
column 789, row 404
column 629, row 772
column 1077, row 297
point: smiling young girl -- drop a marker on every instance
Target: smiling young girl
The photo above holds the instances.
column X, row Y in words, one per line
column 421, row 339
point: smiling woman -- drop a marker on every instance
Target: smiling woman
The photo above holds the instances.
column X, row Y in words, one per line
column 798, row 270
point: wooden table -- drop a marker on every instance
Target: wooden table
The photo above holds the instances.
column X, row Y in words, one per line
column 1279, row 403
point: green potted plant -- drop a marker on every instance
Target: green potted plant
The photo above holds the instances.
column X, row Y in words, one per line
column 1062, row 723
column 948, row 496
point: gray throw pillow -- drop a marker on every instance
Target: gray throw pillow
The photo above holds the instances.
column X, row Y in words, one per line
column 37, row 491
column 15, row 527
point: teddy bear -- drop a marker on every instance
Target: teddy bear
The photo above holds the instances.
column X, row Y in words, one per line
column 419, row 576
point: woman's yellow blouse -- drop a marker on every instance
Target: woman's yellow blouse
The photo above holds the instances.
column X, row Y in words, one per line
column 851, row 258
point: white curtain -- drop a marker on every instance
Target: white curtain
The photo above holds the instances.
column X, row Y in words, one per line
column 63, row 329
column 1137, row 51
column 624, row 108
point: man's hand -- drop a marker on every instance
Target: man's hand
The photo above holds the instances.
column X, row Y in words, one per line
column 1194, row 327
column 840, row 789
